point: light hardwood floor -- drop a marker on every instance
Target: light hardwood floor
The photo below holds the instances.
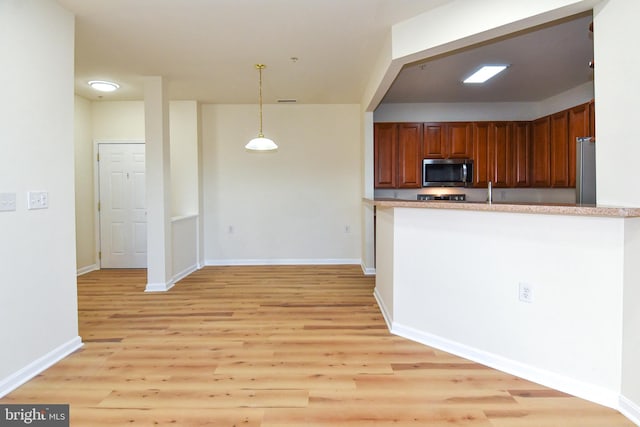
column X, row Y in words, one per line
column 275, row 346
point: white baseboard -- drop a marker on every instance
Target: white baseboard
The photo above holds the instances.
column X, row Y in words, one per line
column 283, row 261
column 630, row 410
column 383, row 309
column 184, row 273
column 159, row 287
column 34, row 368
column 87, row 269
column 368, row 271
column 546, row 378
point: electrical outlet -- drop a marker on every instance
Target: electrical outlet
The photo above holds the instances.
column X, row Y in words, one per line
column 525, row 292
column 347, row 229
column 230, row 229
column 37, row 200
column 7, row 202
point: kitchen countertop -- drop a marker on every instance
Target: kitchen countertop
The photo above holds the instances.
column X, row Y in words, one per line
column 528, row 208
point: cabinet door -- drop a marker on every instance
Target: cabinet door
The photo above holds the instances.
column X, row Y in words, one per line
column 559, row 143
column 521, row 146
column 501, row 154
column 578, row 126
column 481, row 155
column 385, row 149
column 540, row 153
column 459, row 140
column 409, row 155
column 433, row 141
column 592, row 118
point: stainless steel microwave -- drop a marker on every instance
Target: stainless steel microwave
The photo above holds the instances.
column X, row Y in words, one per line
column 447, row 172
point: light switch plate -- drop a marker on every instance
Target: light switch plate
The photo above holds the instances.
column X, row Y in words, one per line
column 37, row 200
column 7, row 202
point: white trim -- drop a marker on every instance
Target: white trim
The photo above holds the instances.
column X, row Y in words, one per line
column 183, row 217
column 184, row 273
column 15, row 380
column 383, row 310
column 283, row 261
column 630, row 410
column 86, row 269
column 159, row 287
column 368, row 271
column 593, row 393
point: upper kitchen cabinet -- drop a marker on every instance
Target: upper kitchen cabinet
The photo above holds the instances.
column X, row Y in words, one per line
column 540, row 153
column 398, row 155
column 559, row 149
column 521, row 146
column 385, row 154
column 494, row 154
column 447, row 140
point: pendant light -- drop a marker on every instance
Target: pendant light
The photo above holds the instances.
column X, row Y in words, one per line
column 261, row 143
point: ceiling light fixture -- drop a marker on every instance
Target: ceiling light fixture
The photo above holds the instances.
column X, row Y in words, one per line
column 103, row 86
column 485, row 73
column 261, row 143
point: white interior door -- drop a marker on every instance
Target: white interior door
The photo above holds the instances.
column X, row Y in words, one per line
column 123, row 216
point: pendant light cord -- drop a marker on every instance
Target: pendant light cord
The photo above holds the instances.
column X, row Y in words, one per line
column 260, row 67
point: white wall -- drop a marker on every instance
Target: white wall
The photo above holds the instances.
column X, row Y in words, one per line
column 37, row 248
column 483, row 111
column 85, row 204
column 124, row 120
column 617, row 87
column 456, row 278
column 118, row 120
column 183, row 124
column 291, row 205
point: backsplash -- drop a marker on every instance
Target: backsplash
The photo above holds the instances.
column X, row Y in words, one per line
column 513, row 195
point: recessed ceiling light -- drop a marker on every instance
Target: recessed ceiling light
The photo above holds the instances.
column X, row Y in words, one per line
column 485, row 73
column 103, row 86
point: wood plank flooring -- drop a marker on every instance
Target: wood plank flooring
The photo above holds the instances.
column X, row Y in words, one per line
column 302, row 346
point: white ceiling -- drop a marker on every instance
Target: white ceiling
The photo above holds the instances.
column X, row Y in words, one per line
column 207, row 49
column 543, row 62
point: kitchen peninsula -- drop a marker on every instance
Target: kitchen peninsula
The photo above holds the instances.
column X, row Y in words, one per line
column 531, row 289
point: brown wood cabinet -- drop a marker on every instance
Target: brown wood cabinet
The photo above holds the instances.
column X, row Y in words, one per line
column 433, row 141
column 592, row 118
column 540, row 153
column 521, row 154
column 447, row 140
column 494, row 154
column 559, row 149
column 501, row 153
column 385, row 154
column 397, row 155
column 410, row 155
column 482, row 164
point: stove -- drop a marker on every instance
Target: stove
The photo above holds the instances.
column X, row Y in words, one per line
column 443, row 197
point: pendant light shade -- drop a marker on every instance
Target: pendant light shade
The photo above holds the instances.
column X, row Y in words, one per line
column 260, row 143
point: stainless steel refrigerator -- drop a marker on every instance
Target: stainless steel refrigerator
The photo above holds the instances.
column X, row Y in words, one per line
column 586, row 170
